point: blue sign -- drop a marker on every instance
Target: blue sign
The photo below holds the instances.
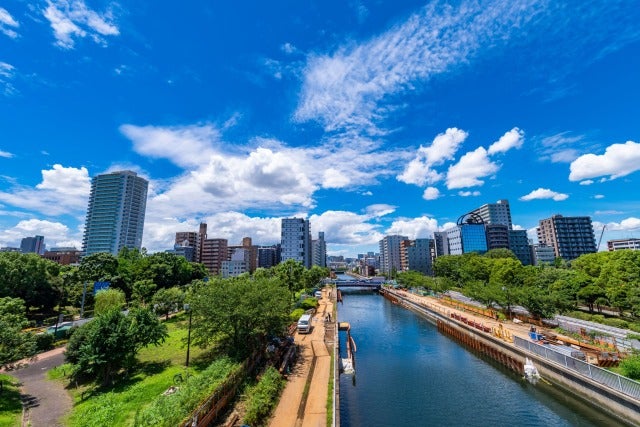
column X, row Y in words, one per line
column 98, row 286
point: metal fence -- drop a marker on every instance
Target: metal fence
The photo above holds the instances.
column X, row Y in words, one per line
column 602, row 376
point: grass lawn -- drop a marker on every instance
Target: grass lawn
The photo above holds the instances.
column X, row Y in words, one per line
column 117, row 405
column 10, row 405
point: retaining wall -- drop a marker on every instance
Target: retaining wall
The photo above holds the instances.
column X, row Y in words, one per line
column 618, row 405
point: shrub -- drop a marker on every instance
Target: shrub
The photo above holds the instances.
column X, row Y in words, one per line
column 263, row 397
column 309, row 303
column 295, row 314
column 630, row 367
column 616, row 323
column 44, row 342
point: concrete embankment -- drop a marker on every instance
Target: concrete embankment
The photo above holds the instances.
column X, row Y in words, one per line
column 478, row 334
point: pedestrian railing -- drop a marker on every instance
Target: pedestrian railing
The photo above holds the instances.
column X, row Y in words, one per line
column 610, row 379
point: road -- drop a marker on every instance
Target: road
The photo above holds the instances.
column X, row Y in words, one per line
column 45, row 402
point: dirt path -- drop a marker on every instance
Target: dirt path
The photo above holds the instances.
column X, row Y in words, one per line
column 313, row 368
column 45, row 402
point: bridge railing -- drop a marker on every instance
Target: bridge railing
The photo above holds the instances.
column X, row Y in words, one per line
column 610, row 379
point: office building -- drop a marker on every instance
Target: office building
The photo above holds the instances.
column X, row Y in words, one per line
column 319, row 251
column 520, row 246
column 419, row 255
column 569, row 237
column 115, row 216
column 296, row 241
column 390, row 253
column 497, row 236
column 249, row 251
column 33, row 245
column 619, row 244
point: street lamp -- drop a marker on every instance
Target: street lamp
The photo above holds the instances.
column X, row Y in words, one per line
column 187, row 308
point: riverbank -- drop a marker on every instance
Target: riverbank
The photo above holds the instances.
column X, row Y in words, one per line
column 479, row 333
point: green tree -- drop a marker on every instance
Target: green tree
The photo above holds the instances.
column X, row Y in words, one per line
column 142, row 291
column 168, row 300
column 14, row 343
column 500, row 253
column 28, row 277
column 109, row 299
column 290, row 273
column 102, row 347
column 313, row 276
column 238, row 313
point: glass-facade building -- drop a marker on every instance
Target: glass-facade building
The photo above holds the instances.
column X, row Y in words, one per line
column 115, row 216
column 467, row 238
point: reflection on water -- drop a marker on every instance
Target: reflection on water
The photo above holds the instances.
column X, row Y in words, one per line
column 408, row 374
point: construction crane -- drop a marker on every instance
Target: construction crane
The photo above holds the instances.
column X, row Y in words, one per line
column 601, row 234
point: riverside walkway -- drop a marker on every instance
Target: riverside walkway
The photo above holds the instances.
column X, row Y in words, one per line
column 312, row 372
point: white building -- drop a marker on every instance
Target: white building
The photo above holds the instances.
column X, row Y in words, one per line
column 390, row 253
column 296, row 241
column 618, row 244
column 543, row 254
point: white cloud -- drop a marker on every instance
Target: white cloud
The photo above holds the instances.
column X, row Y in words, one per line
column 431, row 193
column 334, row 178
column 443, row 147
column 379, row 210
column 351, row 88
column 560, row 148
column 72, row 19
column 617, row 161
column 55, row 233
column 608, row 212
column 346, row 228
column 185, row 146
column 511, row 139
column 468, row 193
column 628, row 224
column 470, row 168
column 414, row 228
column 6, row 154
column 599, row 196
column 8, row 24
column 63, row 190
column 7, row 72
column 586, row 182
column 544, row 193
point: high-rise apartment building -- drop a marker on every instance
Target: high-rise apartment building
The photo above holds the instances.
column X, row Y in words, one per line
column 296, row 240
column 214, row 253
column 390, row 253
column 33, row 245
column 319, row 251
column 115, row 216
column 569, row 237
column 419, row 255
column 268, row 256
column 520, row 246
column 495, row 213
column 441, row 243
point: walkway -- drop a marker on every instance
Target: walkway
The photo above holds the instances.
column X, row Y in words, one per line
column 313, row 368
column 45, row 401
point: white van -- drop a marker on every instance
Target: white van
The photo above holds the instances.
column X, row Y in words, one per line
column 304, row 324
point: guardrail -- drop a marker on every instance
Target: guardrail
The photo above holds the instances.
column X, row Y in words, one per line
column 610, row 379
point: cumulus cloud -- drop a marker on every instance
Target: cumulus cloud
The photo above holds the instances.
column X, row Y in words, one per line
column 347, row 228
column 443, row 147
column 617, row 161
column 55, row 233
column 511, row 139
column 468, row 193
column 350, row 89
column 414, row 228
column 628, row 224
column 72, row 19
column 380, row 209
column 470, row 168
column 431, row 193
column 6, row 154
column 8, row 24
column 587, row 182
column 544, row 193
column 63, row 190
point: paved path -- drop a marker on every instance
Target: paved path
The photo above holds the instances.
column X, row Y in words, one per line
column 313, row 368
column 45, row 401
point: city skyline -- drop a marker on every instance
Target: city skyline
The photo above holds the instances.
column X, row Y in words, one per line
column 366, row 118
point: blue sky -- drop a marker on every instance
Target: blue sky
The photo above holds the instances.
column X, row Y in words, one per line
column 367, row 117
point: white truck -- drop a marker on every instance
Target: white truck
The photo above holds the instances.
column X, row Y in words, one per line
column 304, row 324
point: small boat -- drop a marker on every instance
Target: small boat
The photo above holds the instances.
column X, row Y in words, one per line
column 531, row 373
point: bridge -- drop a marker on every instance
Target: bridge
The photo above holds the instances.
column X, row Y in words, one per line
column 355, row 283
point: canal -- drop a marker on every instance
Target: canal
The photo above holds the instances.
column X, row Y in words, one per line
column 408, row 374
